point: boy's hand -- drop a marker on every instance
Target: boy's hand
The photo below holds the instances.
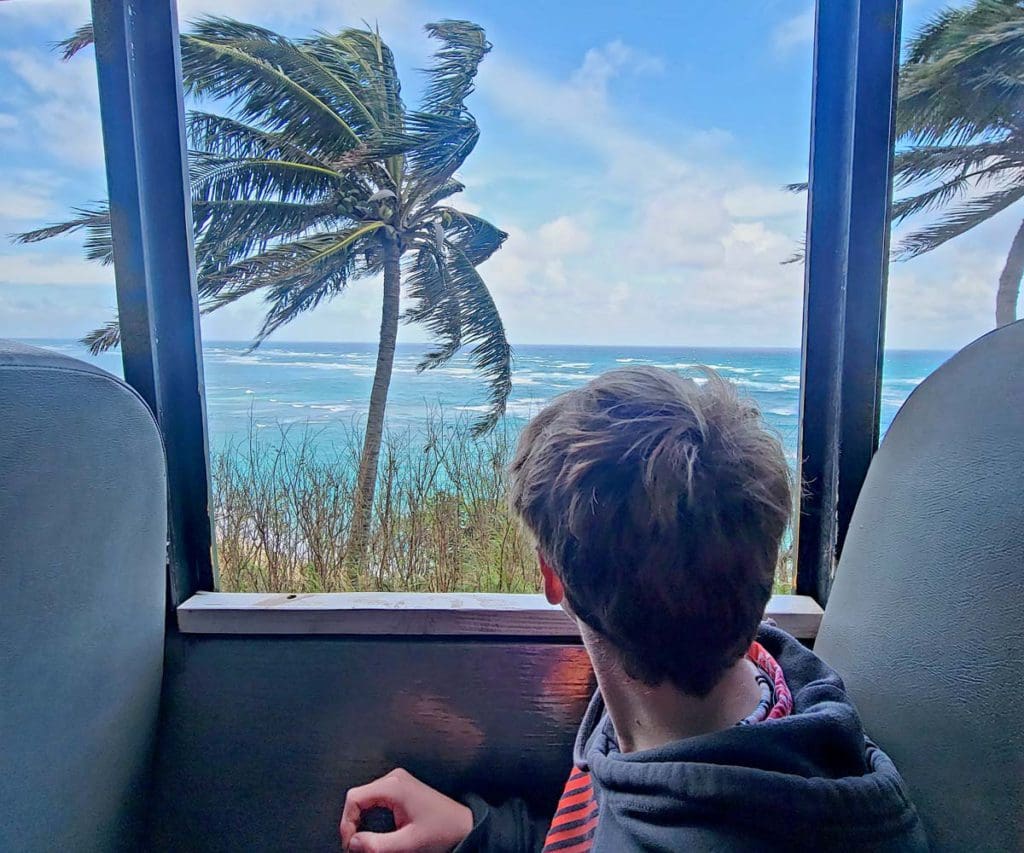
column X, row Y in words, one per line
column 425, row 820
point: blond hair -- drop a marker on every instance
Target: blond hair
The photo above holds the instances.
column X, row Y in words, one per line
column 661, row 504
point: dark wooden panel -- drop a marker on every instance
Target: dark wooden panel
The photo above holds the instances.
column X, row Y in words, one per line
column 261, row 736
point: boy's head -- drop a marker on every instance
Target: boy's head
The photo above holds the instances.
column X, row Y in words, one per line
column 660, row 505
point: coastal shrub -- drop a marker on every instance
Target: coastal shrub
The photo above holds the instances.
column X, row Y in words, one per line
column 283, row 498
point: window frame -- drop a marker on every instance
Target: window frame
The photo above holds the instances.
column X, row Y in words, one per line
column 849, row 193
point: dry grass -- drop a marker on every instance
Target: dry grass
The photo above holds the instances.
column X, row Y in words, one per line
column 440, row 522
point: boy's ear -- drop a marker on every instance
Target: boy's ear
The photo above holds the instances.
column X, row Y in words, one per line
column 554, row 591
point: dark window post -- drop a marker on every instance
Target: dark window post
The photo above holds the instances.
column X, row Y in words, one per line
column 139, row 68
column 856, row 62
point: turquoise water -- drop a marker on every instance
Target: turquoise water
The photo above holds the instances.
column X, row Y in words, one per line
column 327, row 385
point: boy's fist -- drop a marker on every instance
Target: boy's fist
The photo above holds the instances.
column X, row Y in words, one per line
column 425, row 820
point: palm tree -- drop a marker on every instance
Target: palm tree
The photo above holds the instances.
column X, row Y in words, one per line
column 960, row 132
column 961, row 112
column 316, row 174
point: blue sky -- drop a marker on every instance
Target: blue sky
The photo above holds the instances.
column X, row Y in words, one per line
column 635, row 155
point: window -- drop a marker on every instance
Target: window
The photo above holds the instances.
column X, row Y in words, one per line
column 635, row 236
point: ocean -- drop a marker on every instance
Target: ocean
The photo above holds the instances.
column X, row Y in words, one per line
column 327, row 385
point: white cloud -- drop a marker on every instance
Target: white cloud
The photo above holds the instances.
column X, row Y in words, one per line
column 563, row 236
column 685, row 243
column 63, row 115
column 27, row 196
column 794, row 32
column 601, row 64
column 755, row 200
column 46, row 268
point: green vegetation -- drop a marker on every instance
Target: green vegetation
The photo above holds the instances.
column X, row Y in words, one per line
column 960, row 142
column 317, row 174
column 440, row 522
column 961, row 91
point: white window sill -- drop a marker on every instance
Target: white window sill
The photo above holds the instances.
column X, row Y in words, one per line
column 419, row 614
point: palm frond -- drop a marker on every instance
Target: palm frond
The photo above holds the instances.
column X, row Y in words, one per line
column 932, row 34
column 450, row 79
column 491, row 354
column 96, row 222
column 444, row 145
column 962, row 79
column 80, row 39
column 436, row 305
column 477, row 238
column 224, row 178
column 933, row 161
column 947, row 191
column 104, row 338
column 799, row 253
column 223, row 136
column 958, row 221
column 365, row 62
column 425, row 201
column 267, row 81
column 282, row 264
column 229, row 230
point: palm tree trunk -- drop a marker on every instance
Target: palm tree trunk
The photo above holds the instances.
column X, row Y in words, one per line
column 1009, row 281
column 362, row 512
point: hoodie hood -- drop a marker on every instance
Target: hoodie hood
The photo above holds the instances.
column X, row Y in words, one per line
column 809, row 780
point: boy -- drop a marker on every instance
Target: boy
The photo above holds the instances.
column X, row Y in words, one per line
column 658, row 507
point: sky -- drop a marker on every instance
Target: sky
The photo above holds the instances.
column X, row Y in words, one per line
column 634, row 153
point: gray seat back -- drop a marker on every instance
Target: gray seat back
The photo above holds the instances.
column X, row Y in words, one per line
column 926, row 618
column 82, row 580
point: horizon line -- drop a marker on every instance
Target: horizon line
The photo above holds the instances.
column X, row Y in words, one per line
column 751, row 347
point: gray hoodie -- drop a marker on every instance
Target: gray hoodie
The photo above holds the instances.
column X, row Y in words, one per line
column 809, row 781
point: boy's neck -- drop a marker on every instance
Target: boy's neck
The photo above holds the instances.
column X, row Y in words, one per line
column 646, row 717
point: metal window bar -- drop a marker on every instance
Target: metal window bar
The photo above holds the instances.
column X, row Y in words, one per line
column 856, row 66
column 142, row 111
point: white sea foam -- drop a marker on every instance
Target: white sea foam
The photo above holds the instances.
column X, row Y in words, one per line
column 525, row 408
column 766, row 386
column 544, row 375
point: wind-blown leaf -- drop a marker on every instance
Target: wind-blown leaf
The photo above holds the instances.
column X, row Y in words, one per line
column 105, row 337
column 958, row 221
column 223, row 136
column 929, row 162
column 96, row 222
column 326, row 253
column 267, row 80
column 229, row 230
column 477, row 238
column 437, row 305
column 225, row 178
column 491, row 354
column 451, row 77
column 80, row 39
column 961, row 78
